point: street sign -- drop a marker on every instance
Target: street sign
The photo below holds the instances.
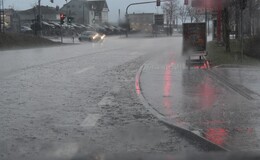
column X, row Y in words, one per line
column 158, row 19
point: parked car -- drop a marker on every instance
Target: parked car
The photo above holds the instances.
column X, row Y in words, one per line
column 91, row 36
column 25, row 29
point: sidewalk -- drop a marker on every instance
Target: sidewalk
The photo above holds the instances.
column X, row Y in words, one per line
column 219, row 104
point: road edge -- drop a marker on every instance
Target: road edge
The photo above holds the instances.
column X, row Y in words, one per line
column 185, row 130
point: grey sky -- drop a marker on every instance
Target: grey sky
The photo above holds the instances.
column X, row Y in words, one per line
column 114, row 6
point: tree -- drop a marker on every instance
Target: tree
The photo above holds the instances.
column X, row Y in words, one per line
column 183, row 13
column 170, row 9
column 194, row 14
column 252, row 13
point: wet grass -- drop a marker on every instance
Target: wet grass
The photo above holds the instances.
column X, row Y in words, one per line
column 218, row 55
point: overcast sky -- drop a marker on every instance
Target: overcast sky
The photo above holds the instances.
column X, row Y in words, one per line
column 114, row 6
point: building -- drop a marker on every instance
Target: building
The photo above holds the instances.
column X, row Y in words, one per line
column 87, row 11
column 141, row 21
column 12, row 20
column 47, row 13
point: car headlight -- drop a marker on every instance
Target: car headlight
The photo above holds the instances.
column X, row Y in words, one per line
column 95, row 36
column 103, row 36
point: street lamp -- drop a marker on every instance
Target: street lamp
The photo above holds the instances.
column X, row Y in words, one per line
column 2, row 17
column 243, row 4
column 39, row 17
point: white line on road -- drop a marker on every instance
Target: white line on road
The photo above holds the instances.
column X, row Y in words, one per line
column 84, row 70
column 90, row 120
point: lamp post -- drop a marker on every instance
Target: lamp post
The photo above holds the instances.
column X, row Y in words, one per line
column 243, row 4
column 2, row 17
column 39, row 15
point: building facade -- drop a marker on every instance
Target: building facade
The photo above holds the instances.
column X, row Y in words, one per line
column 12, row 20
column 30, row 15
column 87, row 11
column 141, row 21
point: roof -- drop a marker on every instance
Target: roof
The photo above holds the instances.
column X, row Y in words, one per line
column 44, row 10
column 91, row 4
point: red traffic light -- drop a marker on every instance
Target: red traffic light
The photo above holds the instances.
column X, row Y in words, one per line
column 62, row 16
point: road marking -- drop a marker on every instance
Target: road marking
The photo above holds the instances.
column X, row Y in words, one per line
column 90, row 120
column 84, row 70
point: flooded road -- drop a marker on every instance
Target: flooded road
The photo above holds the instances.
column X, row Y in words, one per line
column 64, row 101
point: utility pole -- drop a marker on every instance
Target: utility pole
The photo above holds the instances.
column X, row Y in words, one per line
column 67, row 8
column 119, row 16
column 219, row 6
column 83, row 21
column 39, row 15
column 243, row 4
column 2, row 17
column 241, row 35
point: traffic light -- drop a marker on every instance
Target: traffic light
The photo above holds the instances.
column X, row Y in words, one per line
column 158, row 2
column 52, row 1
column 62, row 18
column 69, row 20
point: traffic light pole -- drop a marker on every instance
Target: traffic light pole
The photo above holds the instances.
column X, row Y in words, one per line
column 39, row 13
column 61, row 34
column 242, row 36
column 243, row 4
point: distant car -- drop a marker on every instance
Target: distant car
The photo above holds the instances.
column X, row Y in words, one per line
column 25, row 29
column 91, row 36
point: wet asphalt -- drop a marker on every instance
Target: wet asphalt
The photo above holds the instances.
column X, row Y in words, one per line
column 218, row 104
column 66, row 100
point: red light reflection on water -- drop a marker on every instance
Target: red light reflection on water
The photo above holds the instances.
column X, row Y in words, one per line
column 207, row 93
column 137, row 87
column 167, row 102
column 205, row 65
column 216, row 135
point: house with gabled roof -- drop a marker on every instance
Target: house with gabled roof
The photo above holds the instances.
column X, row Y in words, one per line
column 87, row 11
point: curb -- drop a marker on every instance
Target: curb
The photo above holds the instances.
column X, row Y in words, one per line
column 184, row 129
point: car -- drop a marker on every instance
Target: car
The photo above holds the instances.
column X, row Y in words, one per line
column 91, row 36
column 25, row 29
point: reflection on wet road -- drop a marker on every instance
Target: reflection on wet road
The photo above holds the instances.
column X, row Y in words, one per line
column 213, row 102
